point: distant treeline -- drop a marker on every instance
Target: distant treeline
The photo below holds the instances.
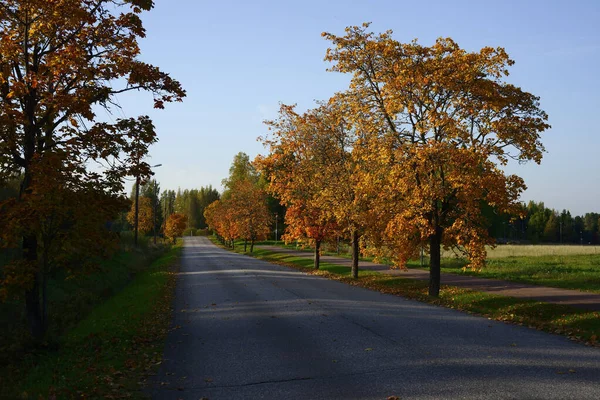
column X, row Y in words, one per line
column 545, row 225
column 540, row 224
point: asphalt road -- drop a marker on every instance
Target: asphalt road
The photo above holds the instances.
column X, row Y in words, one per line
column 247, row 329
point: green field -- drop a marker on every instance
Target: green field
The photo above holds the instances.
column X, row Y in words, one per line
column 580, row 272
column 561, row 266
column 538, row 250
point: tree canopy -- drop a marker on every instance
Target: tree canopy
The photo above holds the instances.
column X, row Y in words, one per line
column 59, row 61
column 428, row 129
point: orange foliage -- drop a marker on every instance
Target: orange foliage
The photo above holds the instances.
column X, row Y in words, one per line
column 176, row 224
column 408, row 155
column 248, row 208
column 59, row 61
column 242, row 213
column 68, row 220
column 145, row 215
column 436, row 118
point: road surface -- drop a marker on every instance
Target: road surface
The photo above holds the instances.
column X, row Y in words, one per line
column 247, row 329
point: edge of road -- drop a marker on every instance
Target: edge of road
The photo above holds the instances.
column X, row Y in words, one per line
column 579, row 324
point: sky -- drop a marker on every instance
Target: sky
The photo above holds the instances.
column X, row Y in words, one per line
column 238, row 60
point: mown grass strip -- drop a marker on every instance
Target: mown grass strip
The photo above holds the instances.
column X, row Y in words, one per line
column 107, row 355
column 552, row 266
column 580, row 272
column 579, row 325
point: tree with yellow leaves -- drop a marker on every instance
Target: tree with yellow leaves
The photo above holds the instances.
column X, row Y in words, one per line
column 438, row 119
column 145, row 215
column 175, row 225
column 59, row 61
column 248, row 207
column 300, row 151
column 220, row 218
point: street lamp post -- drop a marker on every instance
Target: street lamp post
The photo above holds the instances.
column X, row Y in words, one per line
column 276, row 217
column 155, row 203
column 137, row 209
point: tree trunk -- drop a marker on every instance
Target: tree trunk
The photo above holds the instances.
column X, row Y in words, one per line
column 45, row 272
column 355, row 254
column 435, row 243
column 245, row 244
column 317, row 253
column 29, row 246
column 137, row 211
column 252, row 246
column 32, row 295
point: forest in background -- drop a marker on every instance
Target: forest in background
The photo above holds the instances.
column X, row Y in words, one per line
column 541, row 224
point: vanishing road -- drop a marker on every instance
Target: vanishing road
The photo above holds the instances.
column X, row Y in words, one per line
column 247, row 329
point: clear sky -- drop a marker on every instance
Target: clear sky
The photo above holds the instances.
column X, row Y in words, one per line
column 239, row 59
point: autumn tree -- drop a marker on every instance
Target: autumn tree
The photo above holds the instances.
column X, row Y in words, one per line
column 175, row 225
column 242, row 211
column 248, row 207
column 145, row 215
column 439, row 119
column 331, row 143
column 206, row 195
column 57, row 212
column 296, row 169
column 59, row 61
column 220, row 218
column 211, row 213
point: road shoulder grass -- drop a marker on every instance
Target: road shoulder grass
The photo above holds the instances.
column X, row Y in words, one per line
column 579, row 325
column 564, row 267
column 108, row 354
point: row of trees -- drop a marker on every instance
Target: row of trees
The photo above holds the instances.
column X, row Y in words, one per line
column 407, row 157
column 192, row 204
column 155, row 208
column 243, row 211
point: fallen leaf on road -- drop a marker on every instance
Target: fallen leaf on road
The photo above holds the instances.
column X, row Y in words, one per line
column 368, row 349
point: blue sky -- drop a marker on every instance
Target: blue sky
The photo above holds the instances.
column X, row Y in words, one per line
column 239, row 59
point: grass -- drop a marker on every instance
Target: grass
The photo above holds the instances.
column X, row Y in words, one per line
column 580, row 272
column 105, row 354
column 512, row 250
column 560, row 266
column 579, row 325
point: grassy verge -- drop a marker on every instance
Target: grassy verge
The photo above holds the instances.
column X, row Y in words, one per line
column 579, row 325
column 581, row 272
column 108, row 353
column 553, row 266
